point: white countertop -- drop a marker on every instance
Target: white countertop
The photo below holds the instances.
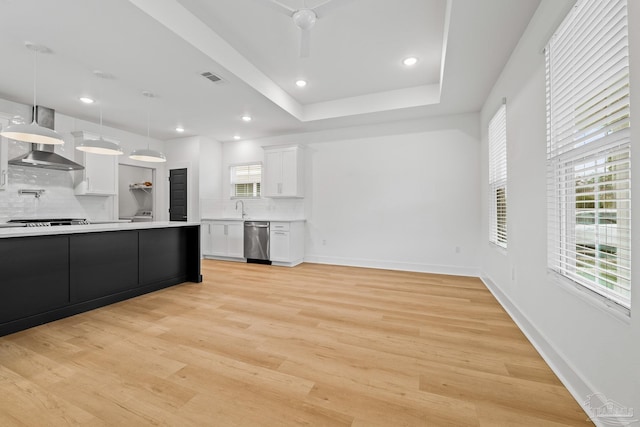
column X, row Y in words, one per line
column 89, row 228
column 255, row 219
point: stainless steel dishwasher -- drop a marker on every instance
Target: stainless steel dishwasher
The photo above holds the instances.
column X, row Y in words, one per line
column 256, row 241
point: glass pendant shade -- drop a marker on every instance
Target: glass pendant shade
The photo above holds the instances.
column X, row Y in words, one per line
column 100, row 146
column 33, row 133
column 148, row 155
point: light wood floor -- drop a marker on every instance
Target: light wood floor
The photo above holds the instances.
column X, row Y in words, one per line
column 269, row 346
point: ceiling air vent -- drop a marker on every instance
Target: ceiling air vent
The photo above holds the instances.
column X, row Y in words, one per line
column 210, row 76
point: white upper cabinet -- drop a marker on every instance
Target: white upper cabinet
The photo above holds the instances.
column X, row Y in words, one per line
column 4, row 171
column 283, row 172
column 100, row 174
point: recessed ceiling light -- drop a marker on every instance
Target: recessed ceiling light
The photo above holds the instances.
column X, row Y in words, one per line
column 246, row 118
column 86, row 100
column 410, row 61
column 236, row 137
column 179, row 129
column 301, row 83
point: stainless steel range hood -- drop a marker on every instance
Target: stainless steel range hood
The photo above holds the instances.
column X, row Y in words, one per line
column 41, row 155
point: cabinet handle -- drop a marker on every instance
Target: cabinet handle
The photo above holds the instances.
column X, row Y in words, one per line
column 226, row 230
column 209, row 228
column 280, row 233
column 3, row 178
column 88, row 183
column 279, row 188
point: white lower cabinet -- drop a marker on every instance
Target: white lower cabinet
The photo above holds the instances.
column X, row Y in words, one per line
column 286, row 243
column 222, row 239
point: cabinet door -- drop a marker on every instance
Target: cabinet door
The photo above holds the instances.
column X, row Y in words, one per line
column 289, row 186
column 205, row 237
column 35, row 275
column 100, row 173
column 279, row 246
column 235, row 240
column 102, row 264
column 273, row 173
column 4, row 171
column 218, row 238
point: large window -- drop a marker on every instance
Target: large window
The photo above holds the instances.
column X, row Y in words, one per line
column 498, row 178
column 245, row 180
column 588, row 156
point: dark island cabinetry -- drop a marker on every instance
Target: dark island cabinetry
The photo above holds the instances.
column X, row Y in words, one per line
column 35, row 276
column 44, row 278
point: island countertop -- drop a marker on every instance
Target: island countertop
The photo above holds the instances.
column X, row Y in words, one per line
column 89, row 228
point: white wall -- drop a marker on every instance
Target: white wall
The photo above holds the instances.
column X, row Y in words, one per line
column 401, row 196
column 202, row 158
column 59, row 199
column 590, row 347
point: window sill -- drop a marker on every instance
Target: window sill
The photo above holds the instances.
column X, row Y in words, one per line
column 592, row 298
column 500, row 249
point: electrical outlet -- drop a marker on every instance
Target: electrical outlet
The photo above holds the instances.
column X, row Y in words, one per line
column 457, row 249
column 324, row 242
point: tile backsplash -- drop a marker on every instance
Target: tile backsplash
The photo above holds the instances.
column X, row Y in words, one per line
column 58, row 199
column 255, row 208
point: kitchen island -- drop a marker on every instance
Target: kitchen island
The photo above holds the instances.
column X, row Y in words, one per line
column 47, row 273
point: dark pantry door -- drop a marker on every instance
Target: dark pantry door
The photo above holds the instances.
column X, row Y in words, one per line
column 178, row 195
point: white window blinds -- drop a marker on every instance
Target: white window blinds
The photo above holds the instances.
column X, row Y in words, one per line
column 588, row 155
column 498, row 178
column 245, row 180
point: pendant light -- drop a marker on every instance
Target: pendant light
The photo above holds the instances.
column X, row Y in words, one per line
column 148, row 155
column 33, row 132
column 100, row 146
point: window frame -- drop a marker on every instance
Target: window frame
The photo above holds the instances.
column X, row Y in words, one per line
column 498, row 177
column 589, row 151
column 233, row 183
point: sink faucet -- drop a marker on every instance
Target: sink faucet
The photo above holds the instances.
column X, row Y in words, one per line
column 241, row 204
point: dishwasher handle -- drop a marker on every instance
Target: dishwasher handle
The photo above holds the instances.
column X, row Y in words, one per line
column 257, row 224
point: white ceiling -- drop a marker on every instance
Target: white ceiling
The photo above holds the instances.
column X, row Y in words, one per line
column 354, row 68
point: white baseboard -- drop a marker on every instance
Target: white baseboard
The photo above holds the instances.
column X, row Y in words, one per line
column 577, row 385
column 395, row 265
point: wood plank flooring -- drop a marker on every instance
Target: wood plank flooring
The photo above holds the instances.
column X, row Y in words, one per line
column 313, row 345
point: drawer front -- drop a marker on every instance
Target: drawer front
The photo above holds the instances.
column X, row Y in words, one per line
column 279, row 226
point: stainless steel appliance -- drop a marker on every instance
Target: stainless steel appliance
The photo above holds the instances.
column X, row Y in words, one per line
column 256, row 241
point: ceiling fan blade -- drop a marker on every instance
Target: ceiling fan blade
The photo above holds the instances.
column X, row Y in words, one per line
column 305, row 43
column 277, row 6
column 326, row 7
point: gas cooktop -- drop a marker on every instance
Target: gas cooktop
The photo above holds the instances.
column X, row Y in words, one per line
column 48, row 222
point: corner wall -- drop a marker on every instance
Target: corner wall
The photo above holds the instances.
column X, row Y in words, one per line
column 402, row 196
column 590, row 347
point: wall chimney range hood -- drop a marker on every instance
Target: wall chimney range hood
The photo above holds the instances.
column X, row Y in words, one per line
column 42, row 156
